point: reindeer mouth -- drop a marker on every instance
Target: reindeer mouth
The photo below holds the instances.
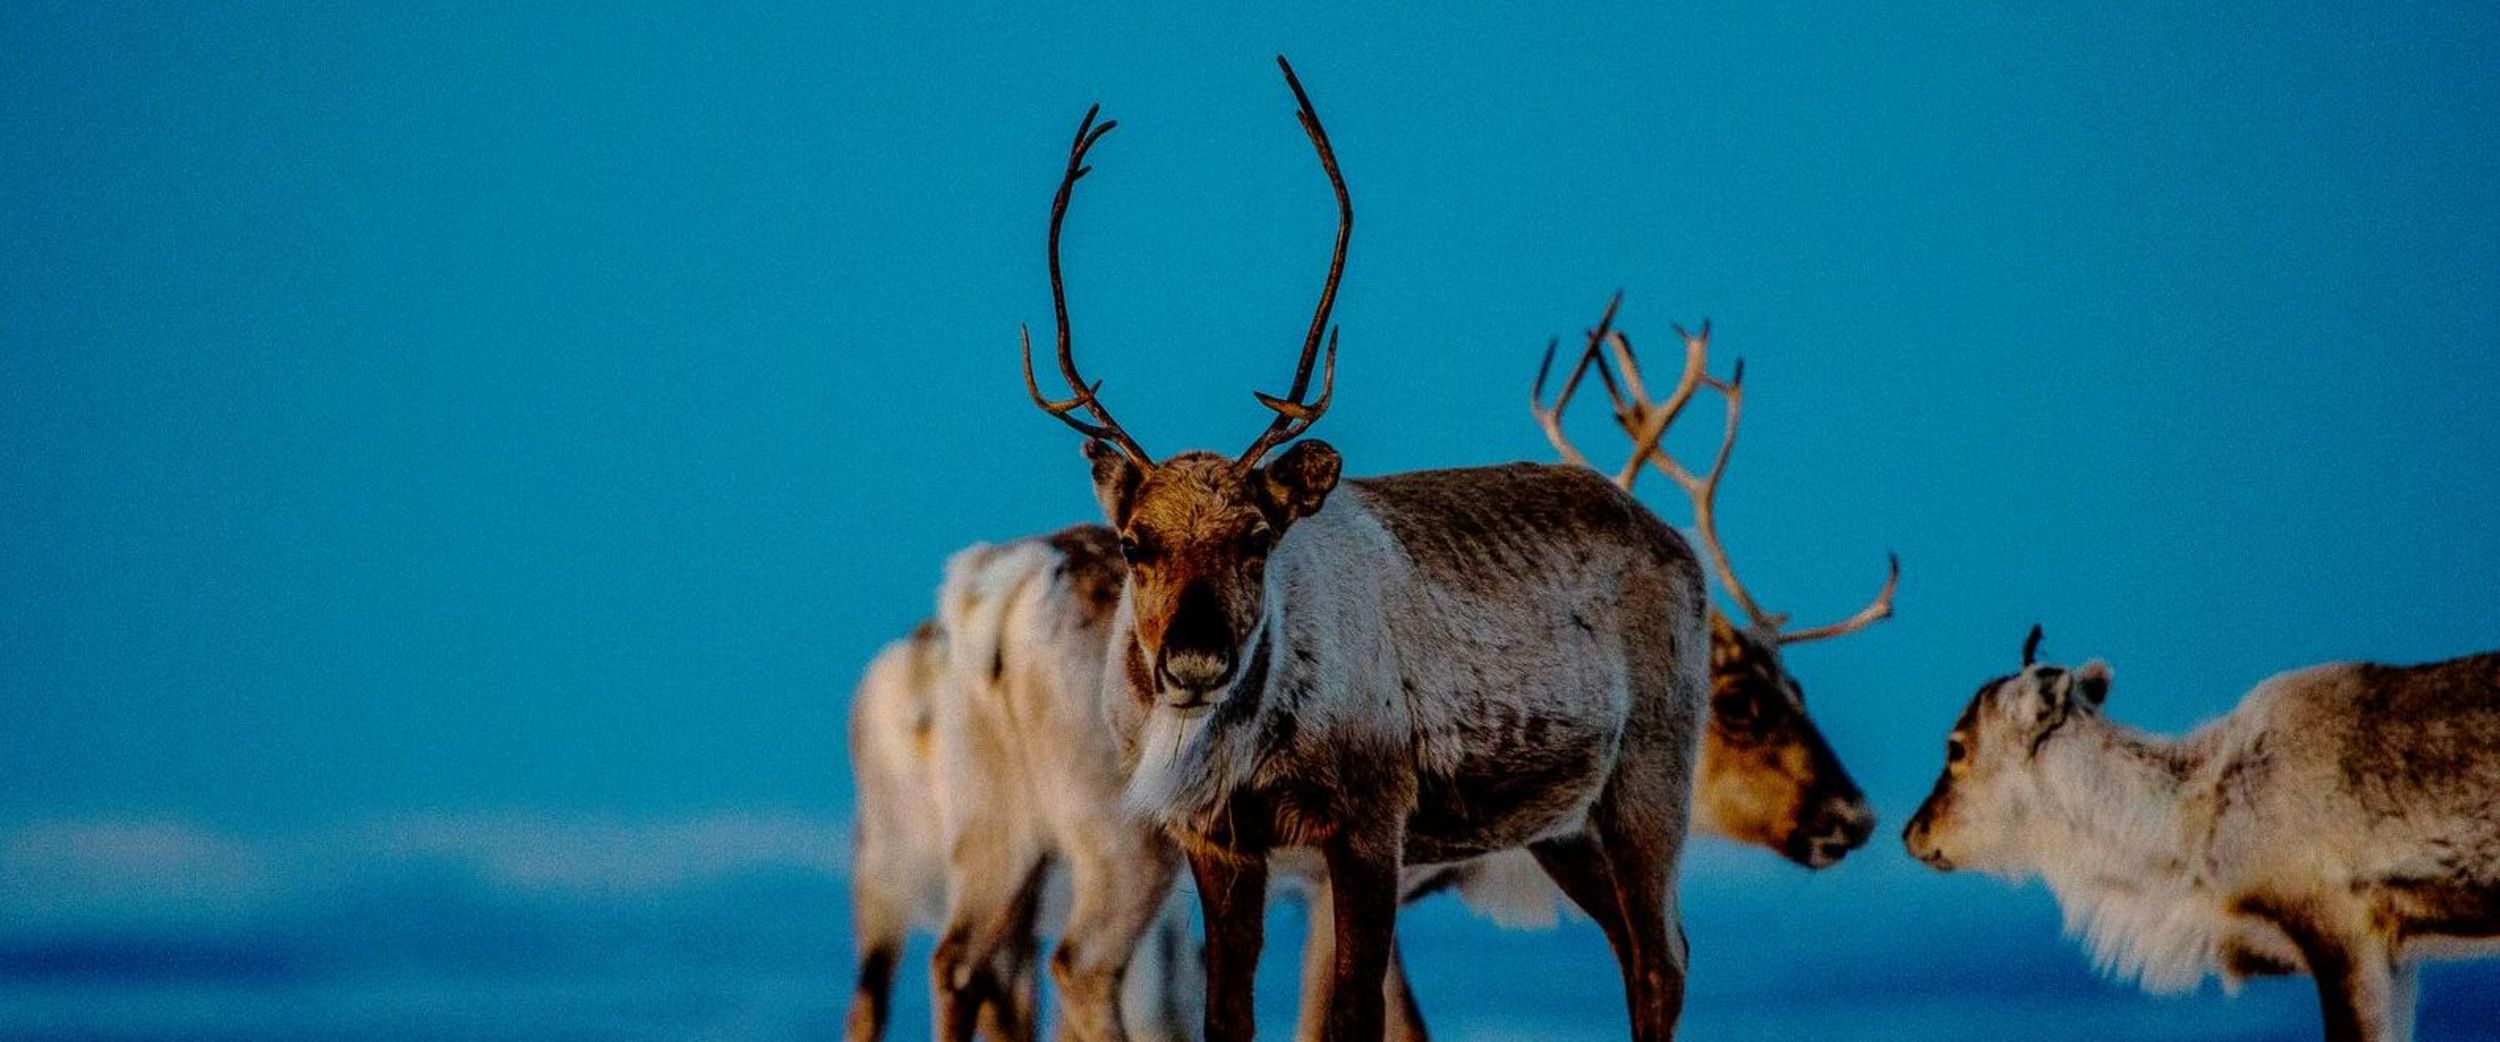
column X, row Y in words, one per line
column 1199, row 704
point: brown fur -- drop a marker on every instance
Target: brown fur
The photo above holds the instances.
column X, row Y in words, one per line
column 1484, row 763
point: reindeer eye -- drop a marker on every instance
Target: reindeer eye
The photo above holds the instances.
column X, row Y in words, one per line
column 1134, row 552
column 1955, row 751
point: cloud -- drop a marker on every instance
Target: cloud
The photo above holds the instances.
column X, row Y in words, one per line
column 82, row 871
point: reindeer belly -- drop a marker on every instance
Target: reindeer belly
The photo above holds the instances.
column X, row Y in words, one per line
column 1509, row 778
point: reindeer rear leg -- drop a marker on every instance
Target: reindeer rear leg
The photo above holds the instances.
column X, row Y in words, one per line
column 1624, row 881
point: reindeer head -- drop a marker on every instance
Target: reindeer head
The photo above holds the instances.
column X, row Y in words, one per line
column 1197, row 527
column 1767, row 775
column 1979, row 812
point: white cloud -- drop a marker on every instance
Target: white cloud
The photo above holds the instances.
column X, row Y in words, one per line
column 66, row 871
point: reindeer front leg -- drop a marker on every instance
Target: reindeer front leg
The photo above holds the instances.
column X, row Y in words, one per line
column 1232, row 895
column 1363, row 885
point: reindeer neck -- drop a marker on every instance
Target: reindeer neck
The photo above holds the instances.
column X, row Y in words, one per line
column 2120, row 794
column 2121, row 842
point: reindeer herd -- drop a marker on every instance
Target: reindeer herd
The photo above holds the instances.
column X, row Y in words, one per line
column 1511, row 682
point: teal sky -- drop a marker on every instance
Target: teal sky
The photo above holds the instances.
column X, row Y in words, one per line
column 414, row 411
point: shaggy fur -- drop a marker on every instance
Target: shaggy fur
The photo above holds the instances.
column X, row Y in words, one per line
column 2344, row 821
column 1029, row 784
column 1431, row 667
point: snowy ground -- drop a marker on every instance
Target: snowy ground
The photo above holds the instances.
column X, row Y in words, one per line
column 733, row 927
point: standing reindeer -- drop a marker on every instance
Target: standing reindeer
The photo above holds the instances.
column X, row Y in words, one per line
column 1421, row 668
column 1029, row 784
column 1767, row 776
column 2343, row 821
column 898, row 862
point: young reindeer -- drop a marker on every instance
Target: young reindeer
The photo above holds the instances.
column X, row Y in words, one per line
column 2343, row 821
column 1413, row 669
column 1028, row 787
column 1768, row 777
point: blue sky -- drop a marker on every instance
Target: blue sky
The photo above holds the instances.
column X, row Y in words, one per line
column 533, row 413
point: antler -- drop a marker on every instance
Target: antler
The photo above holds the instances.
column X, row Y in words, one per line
column 1293, row 415
column 1550, row 417
column 1087, row 395
column 1645, row 422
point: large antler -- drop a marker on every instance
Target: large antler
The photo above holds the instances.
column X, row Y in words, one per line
column 1632, row 407
column 1646, row 427
column 1293, row 415
column 1086, row 395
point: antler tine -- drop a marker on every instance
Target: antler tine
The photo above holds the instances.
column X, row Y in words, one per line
column 1087, row 395
column 1703, row 490
column 1294, row 416
column 1647, row 422
column 1875, row 611
column 1550, row 418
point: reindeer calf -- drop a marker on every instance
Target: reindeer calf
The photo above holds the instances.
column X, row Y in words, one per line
column 2344, row 822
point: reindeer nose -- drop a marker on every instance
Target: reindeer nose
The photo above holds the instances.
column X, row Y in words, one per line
column 1921, row 845
column 1194, row 670
column 1838, row 828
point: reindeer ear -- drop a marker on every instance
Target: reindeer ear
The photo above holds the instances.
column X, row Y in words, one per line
column 2039, row 697
column 1300, row 480
column 1115, row 479
column 1726, row 647
column 2092, row 683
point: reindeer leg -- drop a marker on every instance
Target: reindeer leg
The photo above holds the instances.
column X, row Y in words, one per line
column 1624, row 881
column 982, row 918
column 1363, row 886
column 1319, row 963
column 1122, row 877
column 1644, row 871
column 1406, row 1017
column 1578, row 865
column 1159, row 993
column 2353, row 970
column 1011, row 1012
column 870, row 998
column 1232, row 897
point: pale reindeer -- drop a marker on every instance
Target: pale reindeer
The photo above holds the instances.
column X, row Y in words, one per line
column 898, row 857
column 1768, row 777
column 1028, row 785
column 1415, row 669
column 2343, row 821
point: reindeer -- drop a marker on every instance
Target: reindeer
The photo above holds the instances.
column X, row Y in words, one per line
column 2343, row 821
column 898, row 862
column 1768, row 777
column 1029, row 785
column 1418, row 669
